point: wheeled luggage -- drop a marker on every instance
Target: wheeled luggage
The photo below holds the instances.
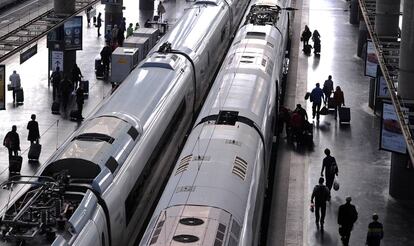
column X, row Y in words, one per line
column 55, row 108
column 85, row 87
column 308, row 49
column 344, row 115
column 99, row 69
column 15, row 164
column 74, row 115
column 34, row 152
column 19, row 96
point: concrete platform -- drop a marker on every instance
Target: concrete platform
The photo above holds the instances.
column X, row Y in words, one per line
column 363, row 169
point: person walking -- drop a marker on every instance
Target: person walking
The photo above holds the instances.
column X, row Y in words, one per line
column 347, row 216
column 161, row 11
column 328, row 88
column 33, row 128
column 106, row 57
column 375, row 232
column 99, row 23
column 121, row 36
column 80, row 100
column 320, row 195
column 339, row 100
column 12, row 142
column 114, row 36
column 76, row 76
column 56, row 78
column 136, row 26
column 316, row 98
column 108, row 37
column 316, row 38
column 306, row 35
column 130, row 30
column 88, row 15
column 66, row 90
column 15, row 84
column 331, row 169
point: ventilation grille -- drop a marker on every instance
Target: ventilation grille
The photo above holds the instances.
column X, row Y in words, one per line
column 240, row 167
column 184, row 163
column 220, row 235
column 157, row 232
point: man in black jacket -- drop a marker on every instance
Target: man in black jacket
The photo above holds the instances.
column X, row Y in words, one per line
column 375, row 232
column 320, row 194
column 347, row 216
column 12, row 142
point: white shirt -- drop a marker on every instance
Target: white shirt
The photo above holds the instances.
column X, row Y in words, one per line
column 15, row 80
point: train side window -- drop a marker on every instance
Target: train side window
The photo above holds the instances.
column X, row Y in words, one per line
column 223, row 34
column 135, row 196
column 103, row 239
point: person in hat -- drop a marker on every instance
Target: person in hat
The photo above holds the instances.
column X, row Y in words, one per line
column 347, row 216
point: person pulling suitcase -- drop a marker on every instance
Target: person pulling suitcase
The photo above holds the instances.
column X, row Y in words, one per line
column 12, row 143
column 33, row 137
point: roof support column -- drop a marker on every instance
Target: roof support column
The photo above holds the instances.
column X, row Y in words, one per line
column 66, row 7
column 113, row 15
column 146, row 4
column 387, row 18
column 402, row 177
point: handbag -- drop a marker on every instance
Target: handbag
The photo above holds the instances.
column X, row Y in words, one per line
column 312, row 207
column 323, row 111
column 307, row 95
column 9, row 87
column 336, row 185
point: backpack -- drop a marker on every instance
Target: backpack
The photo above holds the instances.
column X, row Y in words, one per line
column 334, row 168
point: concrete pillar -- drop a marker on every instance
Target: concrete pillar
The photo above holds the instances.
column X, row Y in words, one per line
column 113, row 15
column 387, row 17
column 354, row 12
column 402, row 177
column 362, row 37
column 146, row 4
column 65, row 7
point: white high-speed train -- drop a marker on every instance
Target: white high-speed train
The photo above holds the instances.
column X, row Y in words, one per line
column 100, row 186
column 216, row 191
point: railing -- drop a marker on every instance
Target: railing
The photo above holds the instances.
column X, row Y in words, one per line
column 388, row 58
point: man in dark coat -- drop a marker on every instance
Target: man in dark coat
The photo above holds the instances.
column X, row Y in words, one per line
column 12, row 142
column 320, row 195
column 375, row 232
column 80, row 100
column 330, row 167
column 317, row 97
column 306, row 35
column 106, row 57
column 347, row 216
column 56, row 77
column 76, row 75
column 99, row 23
column 33, row 128
column 66, row 88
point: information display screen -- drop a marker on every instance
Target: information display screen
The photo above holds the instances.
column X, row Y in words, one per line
column 392, row 138
column 371, row 60
column 72, row 36
column 382, row 89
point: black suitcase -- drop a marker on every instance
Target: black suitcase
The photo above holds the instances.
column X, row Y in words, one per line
column 74, row 115
column 100, row 71
column 15, row 164
column 344, row 115
column 85, row 87
column 98, row 63
column 55, row 108
column 19, row 96
column 34, row 151
column 308, row 49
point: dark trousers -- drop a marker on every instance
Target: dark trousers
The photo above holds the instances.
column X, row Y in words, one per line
column 337, row 107
column 13, row 152
column 305, row 42
column 55, row 92
column 322, row 208
column 34, row 141
column 346, row 234
column 106, row 65
column 327, row 96
column 315, row 109
column 80, row 107
column 329, row 181
column 14, row 94
column 99, row 30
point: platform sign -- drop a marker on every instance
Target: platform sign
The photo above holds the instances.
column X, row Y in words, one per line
column 2, row 87
column 57, row 60
column 382, row 88
column 371, row 60
column 73, row 33
column 392, row 138
column 111, row 2
column 27, row 54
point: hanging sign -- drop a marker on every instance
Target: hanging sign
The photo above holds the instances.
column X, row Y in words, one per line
column 57, row 60
column 27, row 54
column 72, row 33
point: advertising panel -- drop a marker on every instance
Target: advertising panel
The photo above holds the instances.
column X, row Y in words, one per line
column 382, row 89
column 2, row 87
column 371, row 60
column 392, row 138
column 73, row 33
column 57, row 60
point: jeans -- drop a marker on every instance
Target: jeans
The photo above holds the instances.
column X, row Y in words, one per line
column 337, row 107
column 321, row 207
column 315, row 109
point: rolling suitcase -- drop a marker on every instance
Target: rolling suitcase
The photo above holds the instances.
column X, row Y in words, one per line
column 19, row 96
column 15, row 164
column 55, row 108
column 85, row 87
column 34, row 152
column 344, row 115
column 308, row 49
